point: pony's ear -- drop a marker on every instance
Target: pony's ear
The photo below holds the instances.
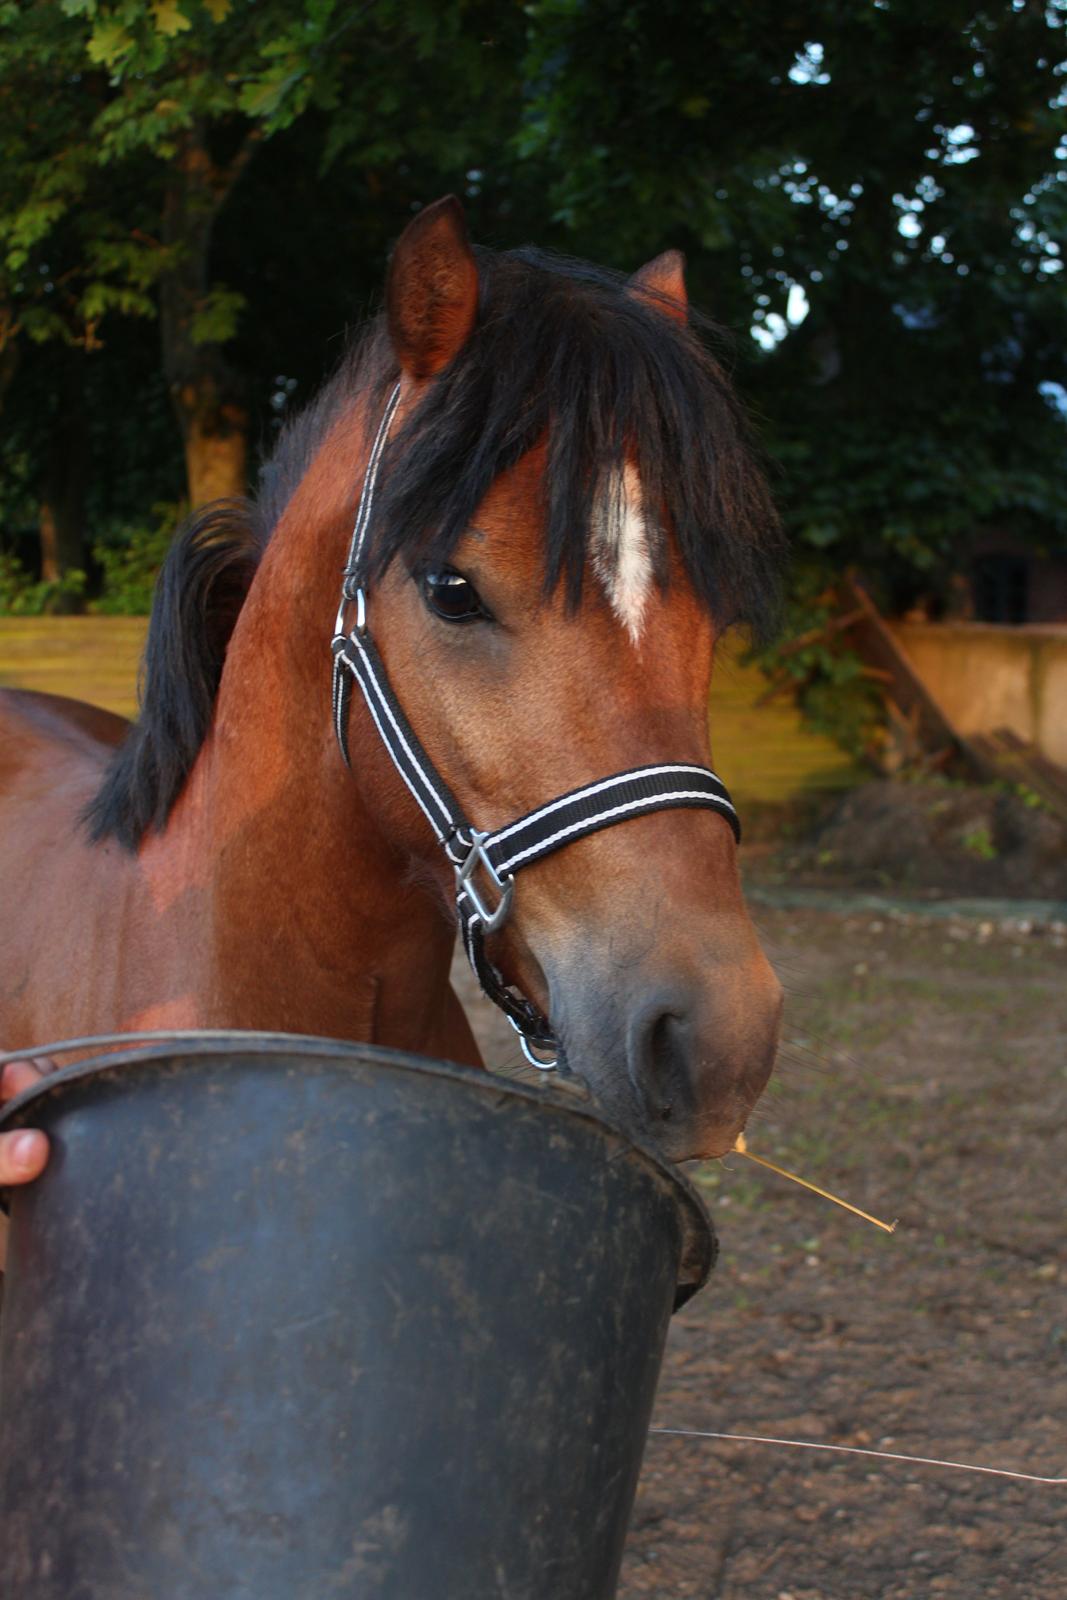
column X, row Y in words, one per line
column 661, row 283
column 431, row 293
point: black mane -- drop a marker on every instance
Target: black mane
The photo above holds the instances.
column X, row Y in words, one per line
column 199, row 592
column 562, row 353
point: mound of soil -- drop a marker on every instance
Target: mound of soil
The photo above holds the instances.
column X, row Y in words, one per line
column 932, row 837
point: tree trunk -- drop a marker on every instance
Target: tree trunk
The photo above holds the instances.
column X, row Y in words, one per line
column 208, row 396
column 214, row 427
column 10, row 354
column 64, row 481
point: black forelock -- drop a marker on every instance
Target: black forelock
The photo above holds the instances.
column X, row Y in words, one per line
column 566, row 355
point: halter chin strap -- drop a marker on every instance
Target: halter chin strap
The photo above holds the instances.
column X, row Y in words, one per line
column 485, row 863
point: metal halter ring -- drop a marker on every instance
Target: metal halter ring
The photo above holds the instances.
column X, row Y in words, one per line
column 490, row 919
column 545, row 1063
column 351, row 592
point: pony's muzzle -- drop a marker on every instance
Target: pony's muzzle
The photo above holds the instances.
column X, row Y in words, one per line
column 682, row 1063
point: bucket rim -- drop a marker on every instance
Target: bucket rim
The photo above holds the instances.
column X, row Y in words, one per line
column 699, row 1242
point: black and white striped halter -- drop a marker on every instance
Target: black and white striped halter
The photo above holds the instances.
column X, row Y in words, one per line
column 485, row 863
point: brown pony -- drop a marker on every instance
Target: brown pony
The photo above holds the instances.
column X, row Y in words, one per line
column 568, row 514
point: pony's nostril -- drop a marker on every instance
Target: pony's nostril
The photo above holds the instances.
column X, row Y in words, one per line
column 658, row 1062
column 662, row 1049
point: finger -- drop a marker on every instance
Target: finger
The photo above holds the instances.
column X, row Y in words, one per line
column 23, row 1156
column 20, row 1075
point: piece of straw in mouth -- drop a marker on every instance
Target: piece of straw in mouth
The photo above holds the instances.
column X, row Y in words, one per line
column 741, row 1147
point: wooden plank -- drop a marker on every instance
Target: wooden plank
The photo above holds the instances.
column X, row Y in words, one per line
column 923, row 728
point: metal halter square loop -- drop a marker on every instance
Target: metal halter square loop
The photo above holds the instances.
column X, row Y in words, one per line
column 490, row 919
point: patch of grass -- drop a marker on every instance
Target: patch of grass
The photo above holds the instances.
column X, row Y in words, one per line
column 978, row 842
column 732, row 1186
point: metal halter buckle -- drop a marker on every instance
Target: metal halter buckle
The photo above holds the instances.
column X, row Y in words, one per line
column 476, row 856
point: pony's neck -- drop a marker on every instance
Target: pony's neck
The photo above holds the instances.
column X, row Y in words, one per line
column 317, row 924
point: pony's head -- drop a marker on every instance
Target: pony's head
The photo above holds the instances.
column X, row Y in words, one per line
column 567, row 516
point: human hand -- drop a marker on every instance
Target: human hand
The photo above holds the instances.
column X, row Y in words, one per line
column 24, row 1152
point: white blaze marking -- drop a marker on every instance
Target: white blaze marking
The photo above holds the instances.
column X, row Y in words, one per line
column 621, row 555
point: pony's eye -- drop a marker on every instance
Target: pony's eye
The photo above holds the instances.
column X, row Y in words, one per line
column 452, row 596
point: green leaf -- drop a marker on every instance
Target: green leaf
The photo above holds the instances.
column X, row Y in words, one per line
column 170, row 18
column 108, row 43
column 216, row 320
column 260, row 99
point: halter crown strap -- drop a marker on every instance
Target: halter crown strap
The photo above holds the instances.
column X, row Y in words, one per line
column 488, row 861
column 353, row 566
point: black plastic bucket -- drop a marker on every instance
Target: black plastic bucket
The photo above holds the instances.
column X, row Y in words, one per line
column 287, row 1319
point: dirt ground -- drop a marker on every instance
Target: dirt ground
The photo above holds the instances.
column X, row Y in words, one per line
column 923, row 1076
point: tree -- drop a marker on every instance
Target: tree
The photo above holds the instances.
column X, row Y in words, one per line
column 236, row 171
column 192, row 91
column 132, row 127
column 897, row 167
column 64, row 263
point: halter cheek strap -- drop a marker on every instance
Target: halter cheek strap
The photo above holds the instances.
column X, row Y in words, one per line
column 485, row 863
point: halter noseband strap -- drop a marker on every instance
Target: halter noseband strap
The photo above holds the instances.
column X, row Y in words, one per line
column 485, row 863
